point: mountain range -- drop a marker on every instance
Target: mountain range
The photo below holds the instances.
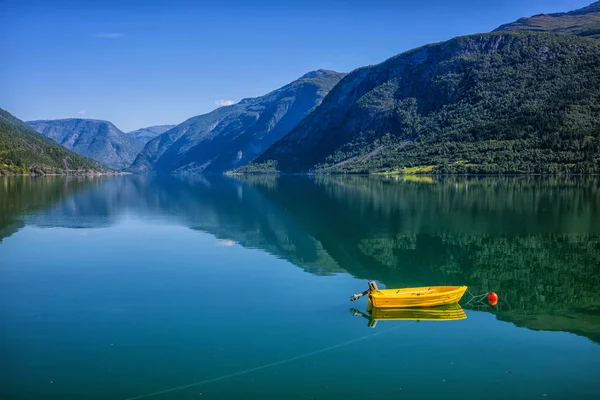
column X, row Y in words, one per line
column 24, row 151
column 504, row 102
column 100, row 140
column 149, row 133
column 233, row 135
column 522, row 99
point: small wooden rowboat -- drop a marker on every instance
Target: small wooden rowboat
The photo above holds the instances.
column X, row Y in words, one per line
column 413, row 297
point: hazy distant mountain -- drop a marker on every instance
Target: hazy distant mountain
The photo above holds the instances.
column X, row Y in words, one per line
column 504, row 102
column 24, row 151
column 149, row 133
column 233, row 135
column 100, row 140
column 582, row 22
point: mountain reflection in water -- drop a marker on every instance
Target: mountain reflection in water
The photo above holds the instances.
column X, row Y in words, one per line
column 533, row 240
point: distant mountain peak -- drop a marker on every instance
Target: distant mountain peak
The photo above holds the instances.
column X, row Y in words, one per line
column 232, row 136
column 97, row 139
column 594, row 7
column 319, row 73
column 148, row 133
column 99, row 121
column 581, row 22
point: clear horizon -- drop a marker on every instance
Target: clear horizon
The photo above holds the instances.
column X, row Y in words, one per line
column 144, row 63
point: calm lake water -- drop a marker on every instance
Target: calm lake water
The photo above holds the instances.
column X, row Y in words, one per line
column 220, row 288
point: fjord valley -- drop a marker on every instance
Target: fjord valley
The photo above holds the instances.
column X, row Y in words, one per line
column 523, row 99
column 188, row 213
column 219, row 141
column 163, row 293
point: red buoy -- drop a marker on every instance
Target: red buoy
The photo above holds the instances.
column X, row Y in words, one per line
column 492, row 298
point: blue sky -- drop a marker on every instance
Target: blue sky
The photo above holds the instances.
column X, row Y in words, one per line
column 141, row 63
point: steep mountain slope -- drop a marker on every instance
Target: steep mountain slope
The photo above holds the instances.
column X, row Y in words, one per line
column 582, row 22
column 517, row 102
column 24, row 151
column 234, row 135
column 100, row 140
column 149, row 133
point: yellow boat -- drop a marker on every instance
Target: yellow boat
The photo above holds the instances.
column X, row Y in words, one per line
column 431, row 296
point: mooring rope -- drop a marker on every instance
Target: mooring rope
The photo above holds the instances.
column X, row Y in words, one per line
column 273, row 364
column 476, row 298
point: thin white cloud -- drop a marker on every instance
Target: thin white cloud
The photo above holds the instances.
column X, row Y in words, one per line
column 82, row 112
column 223, row 102
column 225, row 243
column 108, row 35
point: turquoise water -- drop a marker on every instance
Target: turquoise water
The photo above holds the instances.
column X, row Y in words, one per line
column 221, row 288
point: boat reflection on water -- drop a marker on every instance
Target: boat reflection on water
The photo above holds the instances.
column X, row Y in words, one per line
column 452, row 312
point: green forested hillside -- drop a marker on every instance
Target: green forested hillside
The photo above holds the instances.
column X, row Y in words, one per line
column 24, row 151
column 492, row 103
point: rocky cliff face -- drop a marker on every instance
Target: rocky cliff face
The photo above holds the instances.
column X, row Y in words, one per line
column 100, row 140
column 232, row 136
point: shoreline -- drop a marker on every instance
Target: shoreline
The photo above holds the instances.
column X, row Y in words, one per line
column 374, row 174
column 69, row 174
